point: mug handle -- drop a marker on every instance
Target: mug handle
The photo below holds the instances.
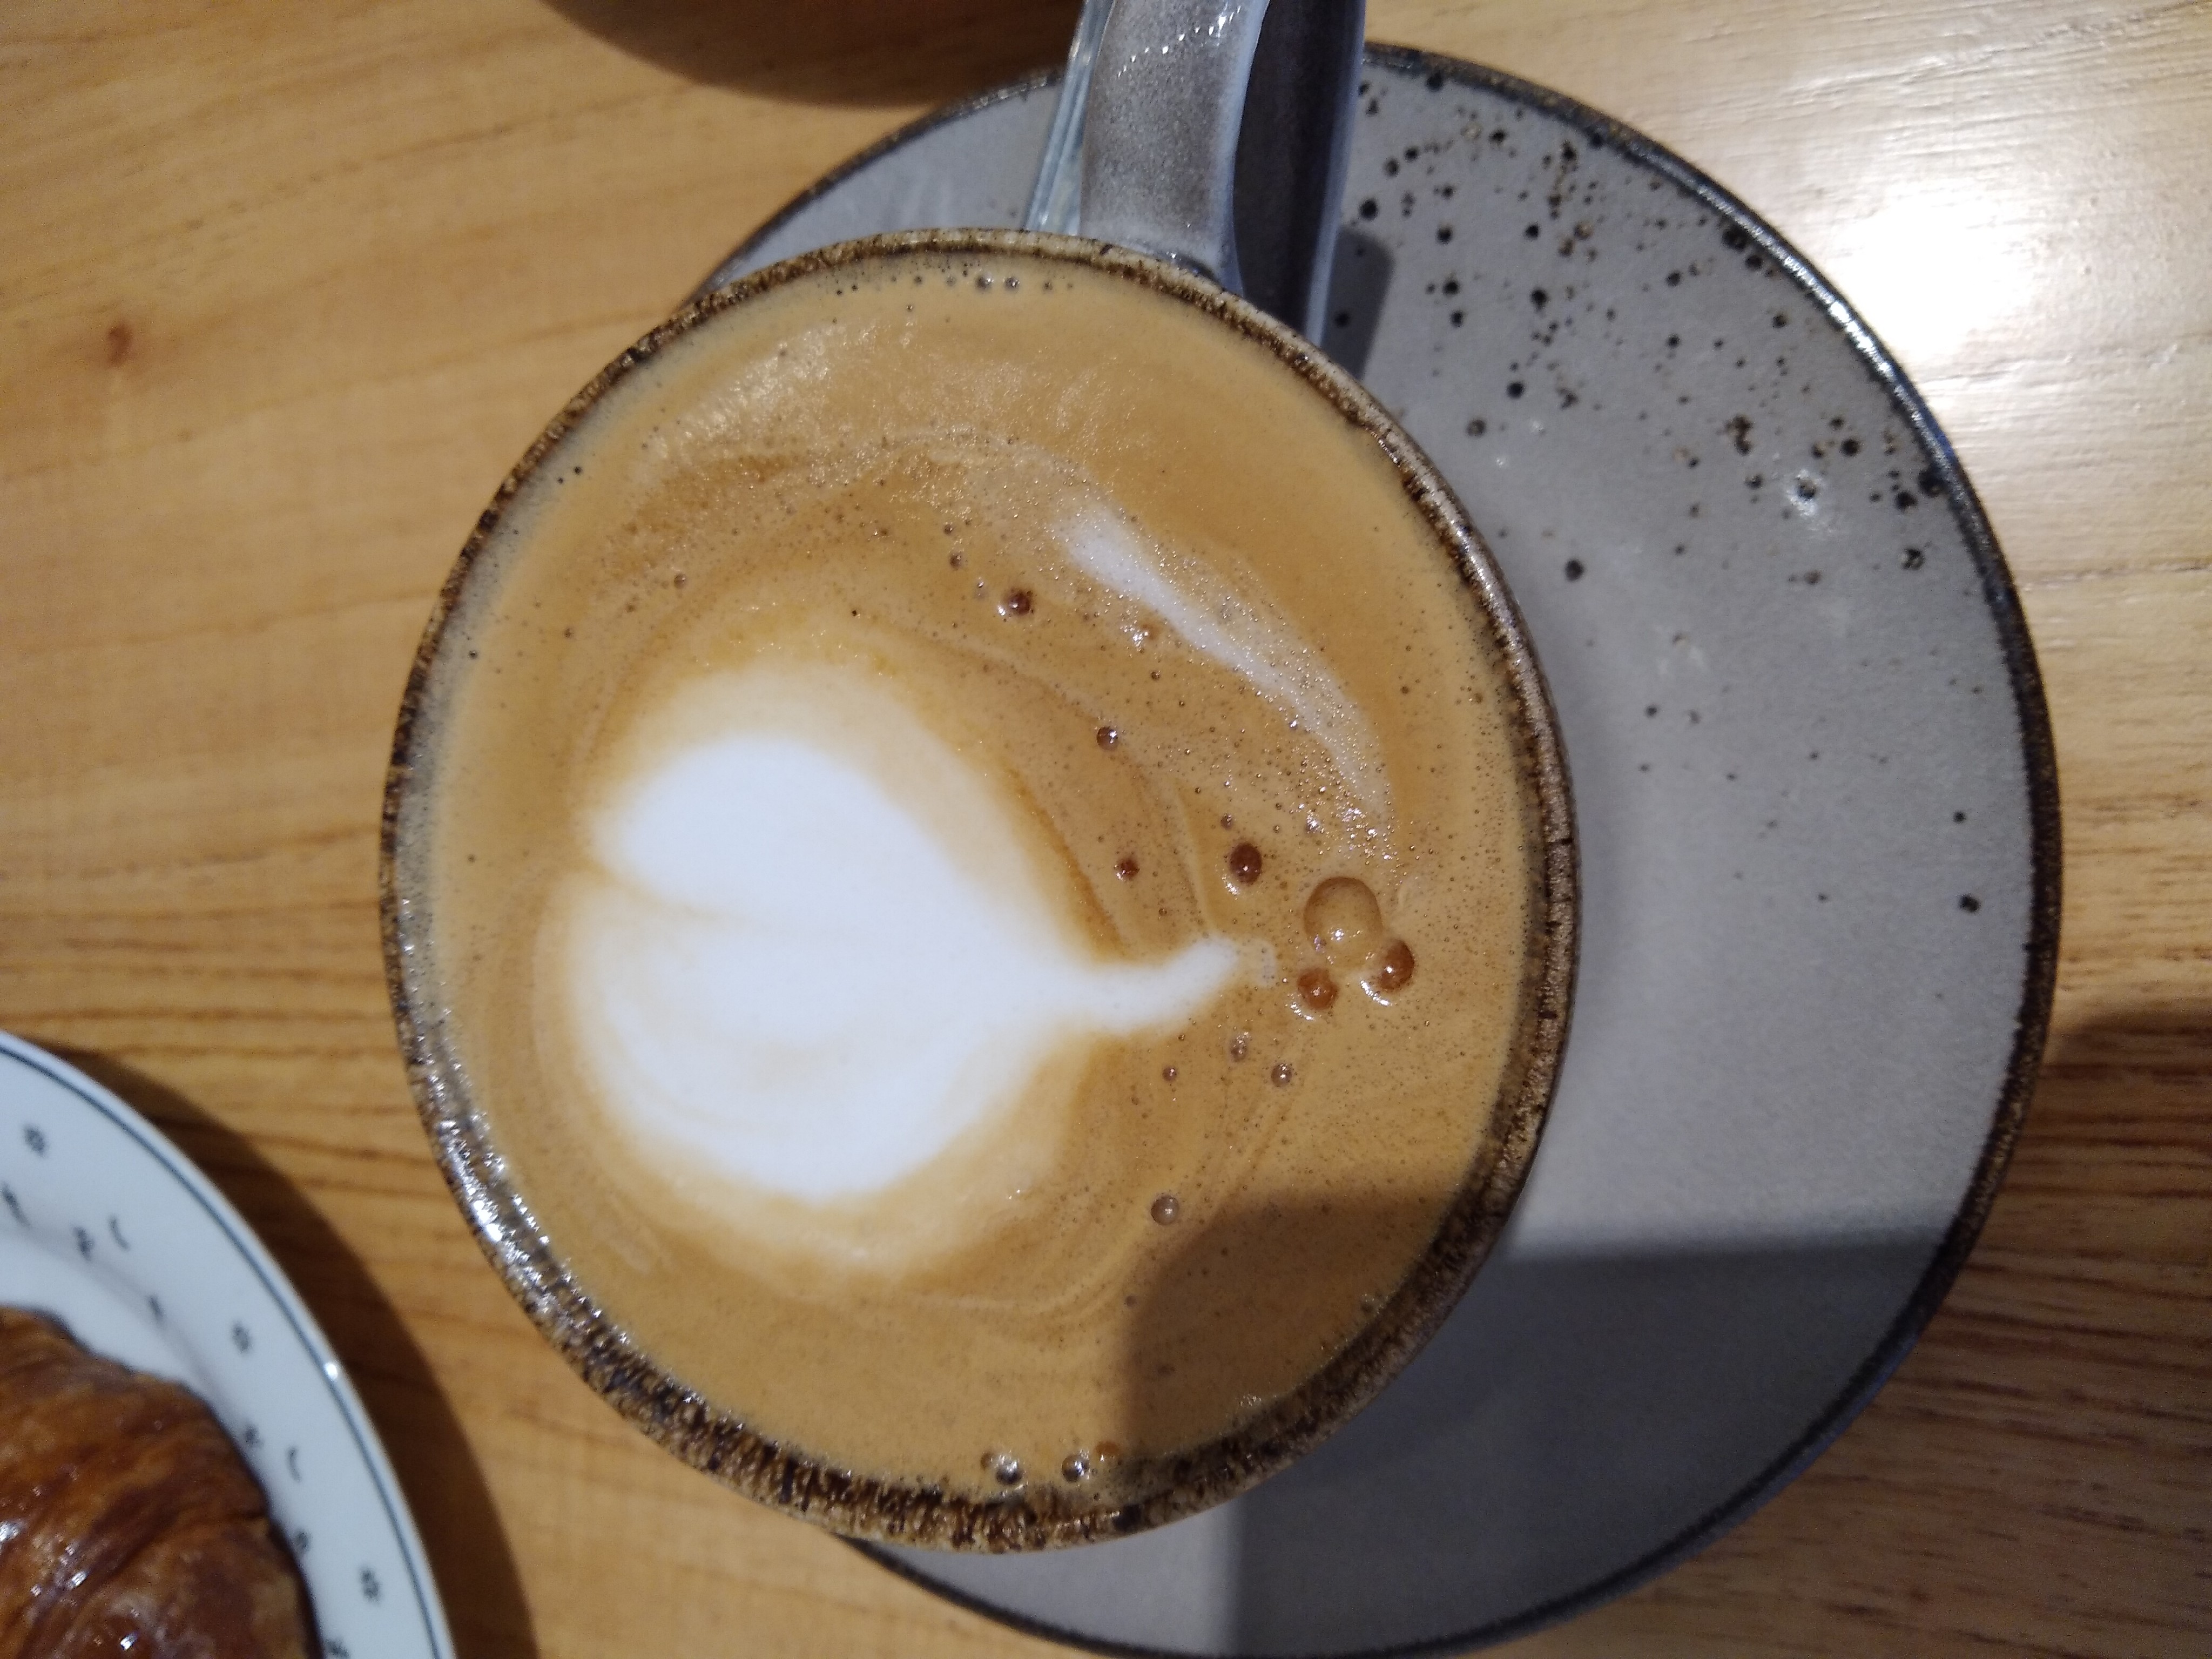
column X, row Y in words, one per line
column 1158, row 128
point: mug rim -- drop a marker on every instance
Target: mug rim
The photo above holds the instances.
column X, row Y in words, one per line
column 713, row 1437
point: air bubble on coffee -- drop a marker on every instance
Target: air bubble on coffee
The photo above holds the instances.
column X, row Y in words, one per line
column 1344, row 921
column 1393, row 971
column 1317, row 989
column 1165, row 1209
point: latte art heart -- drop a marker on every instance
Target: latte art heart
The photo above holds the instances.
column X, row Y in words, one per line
column 783, row 976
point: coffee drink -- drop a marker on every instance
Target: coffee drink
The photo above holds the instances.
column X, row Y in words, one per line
column 992, row 880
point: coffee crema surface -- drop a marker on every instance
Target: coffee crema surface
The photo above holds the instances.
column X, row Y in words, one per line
column 974, row 864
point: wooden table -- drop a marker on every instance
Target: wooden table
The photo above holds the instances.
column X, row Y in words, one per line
column 285, row 287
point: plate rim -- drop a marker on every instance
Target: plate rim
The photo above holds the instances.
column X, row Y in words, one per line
column 277, row 1285
column 2032, row 1020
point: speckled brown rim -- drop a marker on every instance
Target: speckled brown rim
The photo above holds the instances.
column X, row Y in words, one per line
column 2032, row 1019
column 713, row 1438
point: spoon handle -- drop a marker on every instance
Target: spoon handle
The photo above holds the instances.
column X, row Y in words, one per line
column 1213, row 133
column 1055, row 204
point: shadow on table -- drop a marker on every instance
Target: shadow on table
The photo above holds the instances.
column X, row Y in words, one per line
column 445, row 1489
column 1610, row 1400
column 1579, row 1410
column 838, row 52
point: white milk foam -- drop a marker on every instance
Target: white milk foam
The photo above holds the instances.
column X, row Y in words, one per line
column 1248, row 638
column 815, row 953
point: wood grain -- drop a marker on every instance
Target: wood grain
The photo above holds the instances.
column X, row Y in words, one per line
column 284, row 289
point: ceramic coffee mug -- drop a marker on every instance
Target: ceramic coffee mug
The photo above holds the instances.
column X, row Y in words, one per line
column 1246, row 1094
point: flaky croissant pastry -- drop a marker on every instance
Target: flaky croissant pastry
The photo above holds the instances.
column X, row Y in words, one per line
column 129, row 1525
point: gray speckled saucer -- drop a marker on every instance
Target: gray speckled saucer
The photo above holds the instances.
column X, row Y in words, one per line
column 1819, row 836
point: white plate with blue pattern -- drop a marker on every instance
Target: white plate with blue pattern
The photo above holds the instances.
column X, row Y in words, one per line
column 107, row 1227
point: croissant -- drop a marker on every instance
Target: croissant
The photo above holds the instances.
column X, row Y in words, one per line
column 129, row 1525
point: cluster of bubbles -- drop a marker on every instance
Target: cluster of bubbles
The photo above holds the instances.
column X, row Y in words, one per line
column 1075, row 1468
column 1345, row 923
